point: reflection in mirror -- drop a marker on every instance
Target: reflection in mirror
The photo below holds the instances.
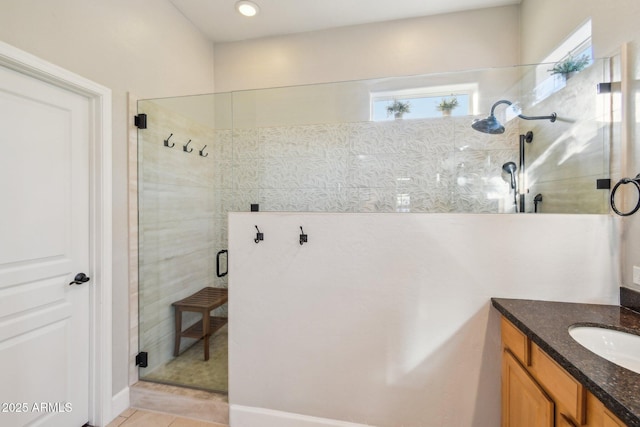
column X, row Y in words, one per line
column 339, row 147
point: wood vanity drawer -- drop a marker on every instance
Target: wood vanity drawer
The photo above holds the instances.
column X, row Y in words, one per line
column 515, row 341
column 566, row 391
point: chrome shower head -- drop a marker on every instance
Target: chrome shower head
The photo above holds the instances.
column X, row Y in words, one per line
column 491, row 125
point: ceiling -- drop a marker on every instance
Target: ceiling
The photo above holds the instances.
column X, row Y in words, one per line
column 219, row 21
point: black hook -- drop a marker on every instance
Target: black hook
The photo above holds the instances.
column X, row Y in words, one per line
column 184, row 148
column 303, row 237
column 259, row 236
column 202, row 151
column 166, row 142
column 537, row 199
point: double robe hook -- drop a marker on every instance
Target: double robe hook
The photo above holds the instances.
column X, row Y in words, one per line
column 260, row 236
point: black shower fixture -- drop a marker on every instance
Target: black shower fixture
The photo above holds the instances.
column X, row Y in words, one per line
column 537, row 199
column 493, row 126
column 511, row 168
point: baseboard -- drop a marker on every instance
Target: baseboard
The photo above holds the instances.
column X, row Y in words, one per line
column 245, row 416
column 120, row 403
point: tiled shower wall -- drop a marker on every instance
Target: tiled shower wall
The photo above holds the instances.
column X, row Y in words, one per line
column 425, row 165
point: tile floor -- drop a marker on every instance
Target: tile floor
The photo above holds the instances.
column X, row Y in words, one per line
column 180, row 401
column 190, row 370
column 141, row 418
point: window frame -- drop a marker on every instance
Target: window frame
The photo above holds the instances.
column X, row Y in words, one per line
column 447, row 91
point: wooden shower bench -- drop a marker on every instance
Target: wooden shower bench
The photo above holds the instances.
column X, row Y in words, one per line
column 202, row 302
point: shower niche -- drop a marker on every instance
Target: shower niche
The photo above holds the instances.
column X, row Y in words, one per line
column 316, row 148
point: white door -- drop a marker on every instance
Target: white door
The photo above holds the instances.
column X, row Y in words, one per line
column 44, row 243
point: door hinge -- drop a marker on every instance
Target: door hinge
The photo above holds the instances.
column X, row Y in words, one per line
column 603, row 184
column 142, row 359
column 140, row 121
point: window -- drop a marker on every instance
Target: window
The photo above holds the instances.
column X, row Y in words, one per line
column 576, row 45
column 424, row 101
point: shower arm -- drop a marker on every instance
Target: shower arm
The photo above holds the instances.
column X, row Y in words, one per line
column 551, row 118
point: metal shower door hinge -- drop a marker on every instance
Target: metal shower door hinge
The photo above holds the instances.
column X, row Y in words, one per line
column 603, row 184
column 609, row 87
column 140, row 121
column 142, row 359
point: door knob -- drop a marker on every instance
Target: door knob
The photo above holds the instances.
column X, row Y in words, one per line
column 80, row 279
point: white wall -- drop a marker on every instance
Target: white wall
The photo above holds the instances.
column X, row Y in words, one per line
column 385, row 319
column 546, row 23
column 146, row 47
column 448, row 42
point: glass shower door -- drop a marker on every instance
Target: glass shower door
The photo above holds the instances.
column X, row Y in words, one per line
column 181, row 159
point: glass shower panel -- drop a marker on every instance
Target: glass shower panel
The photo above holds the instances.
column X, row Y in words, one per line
column 181, row 158
column 317, row 148
column 566, row 158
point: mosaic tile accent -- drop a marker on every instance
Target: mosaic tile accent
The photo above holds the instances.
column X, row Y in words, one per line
column 394, row 166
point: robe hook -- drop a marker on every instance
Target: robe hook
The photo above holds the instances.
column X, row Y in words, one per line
column 259, row 235
column 166, row 142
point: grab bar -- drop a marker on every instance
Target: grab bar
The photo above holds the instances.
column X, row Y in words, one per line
column 224, row 251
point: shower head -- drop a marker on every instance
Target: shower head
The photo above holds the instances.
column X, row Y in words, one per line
column 491, row 125
column 511, row 168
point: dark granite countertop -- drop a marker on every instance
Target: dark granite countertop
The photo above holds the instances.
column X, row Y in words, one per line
column 547, row 324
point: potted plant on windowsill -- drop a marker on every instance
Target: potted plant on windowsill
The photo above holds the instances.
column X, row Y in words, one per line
column 398, row 108
column 570, row 66
column 447, row 105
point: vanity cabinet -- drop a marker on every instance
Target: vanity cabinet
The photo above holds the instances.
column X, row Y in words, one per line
column 538, row 392
column 524, row 402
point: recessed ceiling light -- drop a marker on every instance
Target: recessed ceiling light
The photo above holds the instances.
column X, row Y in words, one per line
column 247, row 8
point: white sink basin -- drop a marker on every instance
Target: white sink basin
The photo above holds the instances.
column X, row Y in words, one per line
column 621, row 348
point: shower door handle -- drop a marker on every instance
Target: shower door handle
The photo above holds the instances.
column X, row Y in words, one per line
column 224, row 251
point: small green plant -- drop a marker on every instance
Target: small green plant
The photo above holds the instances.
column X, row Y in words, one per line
column 570, row 65
column 447, row 104
column 398, row 108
